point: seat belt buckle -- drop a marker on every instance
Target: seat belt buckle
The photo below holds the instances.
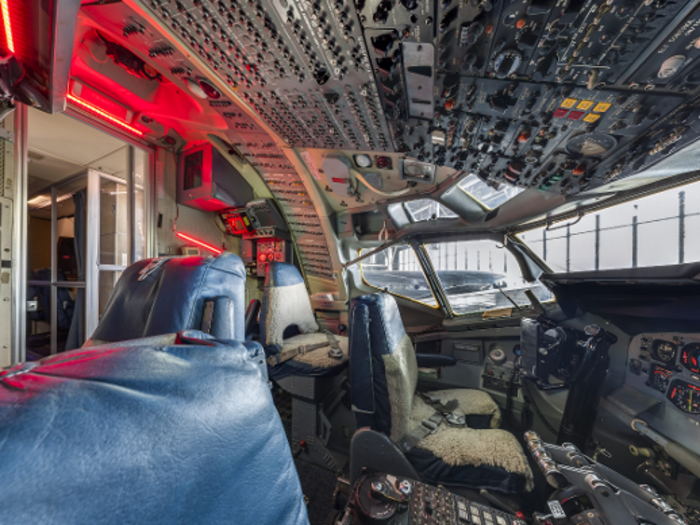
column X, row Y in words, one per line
column 456, row 418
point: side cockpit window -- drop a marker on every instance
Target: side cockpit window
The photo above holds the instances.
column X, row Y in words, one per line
column 657, row 230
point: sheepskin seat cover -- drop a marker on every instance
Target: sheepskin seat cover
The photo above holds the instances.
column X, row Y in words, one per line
column 454, row 446
column 286, row 306
column 470, row 457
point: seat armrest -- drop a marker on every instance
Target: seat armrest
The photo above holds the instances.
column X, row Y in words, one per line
column 435, row 360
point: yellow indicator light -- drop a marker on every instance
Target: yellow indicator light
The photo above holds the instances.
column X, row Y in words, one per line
column 591, row 117
column 602, row 107
column 569, row 103
column 584, row 105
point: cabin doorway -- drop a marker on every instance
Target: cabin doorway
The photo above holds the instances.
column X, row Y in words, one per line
column 87, row 221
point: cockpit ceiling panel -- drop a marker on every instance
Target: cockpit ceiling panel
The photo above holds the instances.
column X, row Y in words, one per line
column 244, row 135
column 302, row 66
column 558, row 96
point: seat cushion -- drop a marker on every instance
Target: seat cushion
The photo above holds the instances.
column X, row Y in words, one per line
column 315, row 363
column 456, row 452
column 472, row 403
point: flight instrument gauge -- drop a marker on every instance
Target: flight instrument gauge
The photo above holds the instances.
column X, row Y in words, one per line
column 659, row 377
column 690, row 357
column 664, row 351
column 685, row 396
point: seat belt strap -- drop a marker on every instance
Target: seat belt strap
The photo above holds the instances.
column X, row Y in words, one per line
column 454, row 416
column 335, row 352
column 426, row 427
column 448, row 412
column 434, row 401
column 286, row 355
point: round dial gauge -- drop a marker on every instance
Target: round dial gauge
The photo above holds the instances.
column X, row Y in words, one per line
column 363, row 161
column 685, row 396
column 659, row 377
column 664, row 350
column 690, row 357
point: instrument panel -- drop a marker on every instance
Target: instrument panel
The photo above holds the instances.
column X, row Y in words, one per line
column 667, row 366
column 555, row 95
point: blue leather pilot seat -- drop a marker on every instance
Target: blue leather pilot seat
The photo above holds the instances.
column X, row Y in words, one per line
column 289, row 332
column 168, row 294
column 145, row 434
column 472, row 453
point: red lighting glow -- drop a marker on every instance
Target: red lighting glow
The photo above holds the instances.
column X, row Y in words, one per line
column 8, row 25
column 209, row 247
column 101, row 113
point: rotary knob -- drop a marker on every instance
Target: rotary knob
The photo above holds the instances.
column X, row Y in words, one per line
column 497, row 355
column 506, row 63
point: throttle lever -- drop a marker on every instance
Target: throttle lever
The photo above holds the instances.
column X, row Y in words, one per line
column 384, row 491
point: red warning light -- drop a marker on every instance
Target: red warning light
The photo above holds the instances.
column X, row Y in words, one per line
column 8, row 25
column 209, row 247
column 86, row 106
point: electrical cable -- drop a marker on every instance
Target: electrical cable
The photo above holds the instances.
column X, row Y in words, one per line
column 397, row 193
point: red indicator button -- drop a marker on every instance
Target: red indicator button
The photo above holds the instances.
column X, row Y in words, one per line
column 575, row 115
column 561, row 113
column 384, row 163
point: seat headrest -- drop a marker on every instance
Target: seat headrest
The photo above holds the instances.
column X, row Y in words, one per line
column 167, row 294
column 282, row 274
column 385, row 325
column 285, row 304
column 156, row 433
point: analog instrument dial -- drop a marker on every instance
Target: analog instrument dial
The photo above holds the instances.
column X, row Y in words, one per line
column 664, row 351
column 659, row 377
column 685, row 396
column 690, row 357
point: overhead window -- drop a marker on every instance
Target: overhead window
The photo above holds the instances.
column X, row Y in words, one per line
column 657, row 230
column 428, row 210
column 488, row 195
column 477, row 276
column 397, row 270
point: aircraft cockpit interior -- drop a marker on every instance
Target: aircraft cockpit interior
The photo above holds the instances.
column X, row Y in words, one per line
column 350, row 262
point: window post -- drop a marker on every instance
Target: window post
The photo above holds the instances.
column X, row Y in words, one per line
column 681, row 227
column 634, row 241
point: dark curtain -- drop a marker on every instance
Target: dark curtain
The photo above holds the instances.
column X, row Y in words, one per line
column 75, row 334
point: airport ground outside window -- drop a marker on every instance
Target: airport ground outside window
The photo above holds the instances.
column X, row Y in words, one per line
column 657, row 230
column 397, row 270
column 477, row 276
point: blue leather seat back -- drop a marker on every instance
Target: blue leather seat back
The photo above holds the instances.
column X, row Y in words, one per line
column 375, row 330
column 285, row 305
column 155, row 434
column 166, row 295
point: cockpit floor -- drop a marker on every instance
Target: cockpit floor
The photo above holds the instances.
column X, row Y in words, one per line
column 317, row 483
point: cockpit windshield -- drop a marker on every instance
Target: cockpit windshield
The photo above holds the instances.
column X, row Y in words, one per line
column 657, row 230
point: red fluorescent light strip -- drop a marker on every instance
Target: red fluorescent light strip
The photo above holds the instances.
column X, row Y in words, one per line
column 217, row 251
column 8, row 25
column 97, row 111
